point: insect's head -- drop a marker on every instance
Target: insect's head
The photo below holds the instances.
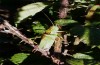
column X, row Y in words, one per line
column 52, row 30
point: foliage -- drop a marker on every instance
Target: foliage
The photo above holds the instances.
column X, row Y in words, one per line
column 35, row 20
column 82, row 56
column 82, row 62
column 65, row 22
column 29, row 10
column 75, row 62
column 38, row 28
column 19, row 58
column 88, row 34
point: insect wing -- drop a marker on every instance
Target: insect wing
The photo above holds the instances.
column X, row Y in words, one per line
column 47, row 41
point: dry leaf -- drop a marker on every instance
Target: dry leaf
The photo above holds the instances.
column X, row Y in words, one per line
column 58, row 45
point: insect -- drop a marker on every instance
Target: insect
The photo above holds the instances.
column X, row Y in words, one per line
column 48, row 38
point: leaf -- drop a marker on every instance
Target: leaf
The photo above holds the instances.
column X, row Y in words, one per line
column 58, row 44
column 80, row 1
column 38, row 28
column 91, row 11
column 95, row 24
column 88, row 35
column 85, row 37
column 48, row 39
column 19, row 58
column 77, row 0
column 75, row 62
column 29, row 10
column 1, row 60
column 91, row 62
column 77, row 41
column 82, row 56
column 82, row 62
column 64, row 22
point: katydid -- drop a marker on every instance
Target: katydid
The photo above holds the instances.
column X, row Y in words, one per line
column 48, row 38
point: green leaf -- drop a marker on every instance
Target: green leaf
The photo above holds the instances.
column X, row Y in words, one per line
column 75, row 62
column 82, row 56
column 29, row 10
column 38, row 28
column 19, row 58
column 88, row 34
column 91, row 62
column 82, row 62
column 64, row 22
column 93, row 9
column 85, row 37
column 82, row 33
column 95, row 23
column 1, row 61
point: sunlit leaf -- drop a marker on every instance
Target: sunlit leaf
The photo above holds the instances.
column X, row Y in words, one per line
column 29, row 10
column 92, row 11
column 64, row 22
column 19, row 58
column 77, row 0
column 80, row 1
column 82, row 56
column 77, row 41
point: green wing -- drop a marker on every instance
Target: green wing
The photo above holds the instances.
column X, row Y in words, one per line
column 48, row 39
column 47, row 42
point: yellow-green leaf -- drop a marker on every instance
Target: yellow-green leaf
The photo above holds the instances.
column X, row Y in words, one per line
column 92, row 11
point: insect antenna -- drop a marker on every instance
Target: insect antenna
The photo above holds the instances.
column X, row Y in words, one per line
column 48, row 18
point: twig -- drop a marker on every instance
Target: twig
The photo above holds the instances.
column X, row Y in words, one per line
column 65, row 40
column 15, row 31
column 63, row 10
column 57, row 61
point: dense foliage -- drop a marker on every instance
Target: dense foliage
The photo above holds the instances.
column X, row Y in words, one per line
column 40, row 22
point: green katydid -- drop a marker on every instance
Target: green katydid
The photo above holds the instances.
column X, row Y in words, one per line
column 48, row 38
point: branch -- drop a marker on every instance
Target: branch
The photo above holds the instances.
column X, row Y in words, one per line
column 15, row 31
column 63, row 9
